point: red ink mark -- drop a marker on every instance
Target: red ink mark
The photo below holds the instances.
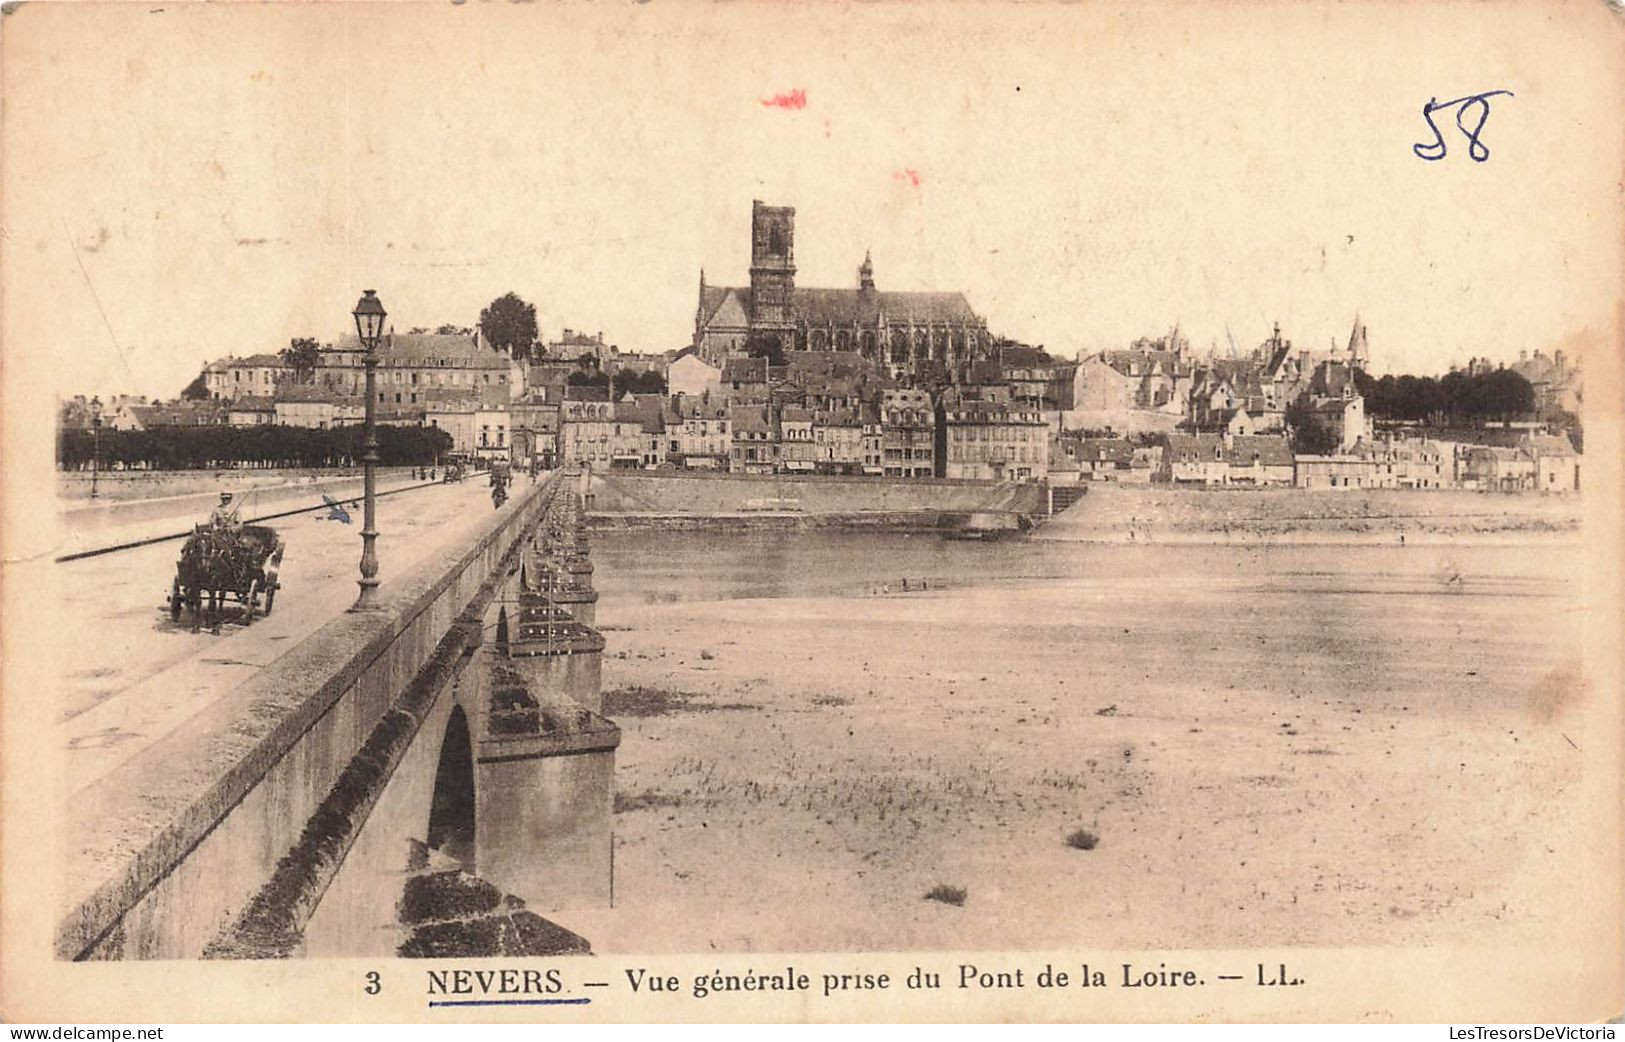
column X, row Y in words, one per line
column 910, row 175
column 796, row 99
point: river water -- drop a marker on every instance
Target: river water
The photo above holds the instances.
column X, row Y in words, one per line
column 667, row 567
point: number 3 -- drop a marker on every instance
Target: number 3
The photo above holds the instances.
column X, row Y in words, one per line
column 374, row 986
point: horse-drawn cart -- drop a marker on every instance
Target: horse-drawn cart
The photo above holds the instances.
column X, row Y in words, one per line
column 221, row 562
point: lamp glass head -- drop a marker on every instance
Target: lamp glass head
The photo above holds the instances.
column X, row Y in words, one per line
column 369, row 319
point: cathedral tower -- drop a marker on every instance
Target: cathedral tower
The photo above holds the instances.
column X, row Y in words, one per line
column 772, row 265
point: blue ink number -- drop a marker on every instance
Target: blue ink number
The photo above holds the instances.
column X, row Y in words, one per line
column 1466, row 108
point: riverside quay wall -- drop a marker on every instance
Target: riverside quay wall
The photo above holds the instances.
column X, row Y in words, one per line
column 656, row 497
column 250, row 831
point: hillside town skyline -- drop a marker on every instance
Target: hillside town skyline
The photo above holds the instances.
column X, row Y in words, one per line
column 782, row 378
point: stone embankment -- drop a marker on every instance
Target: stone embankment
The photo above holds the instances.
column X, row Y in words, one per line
column 643, row 499
column 1132, row 513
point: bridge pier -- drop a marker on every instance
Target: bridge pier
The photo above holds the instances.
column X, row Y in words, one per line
column 544, row 831
column 545, row 766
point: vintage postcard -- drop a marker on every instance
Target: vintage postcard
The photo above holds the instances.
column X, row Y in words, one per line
column 812, row 512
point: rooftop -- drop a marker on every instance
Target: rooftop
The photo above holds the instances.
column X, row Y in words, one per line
column 454, row 350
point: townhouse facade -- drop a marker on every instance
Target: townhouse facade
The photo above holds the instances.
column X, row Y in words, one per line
column 256, row 376
column 839, row 441
column 410, row 364
column 994, row 441
column 1217, row 459
column 797, row 454
column 590, row 435
column 697, row 433
column 756, row 445
column 908, row 425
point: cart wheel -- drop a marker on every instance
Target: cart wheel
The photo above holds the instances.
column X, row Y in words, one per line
column 270, row 594
column 251, row 601
column 175, row 600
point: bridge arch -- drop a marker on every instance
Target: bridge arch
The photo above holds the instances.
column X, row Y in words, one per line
column 452, row 807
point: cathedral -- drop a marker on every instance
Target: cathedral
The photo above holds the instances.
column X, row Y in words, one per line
column 914, row 335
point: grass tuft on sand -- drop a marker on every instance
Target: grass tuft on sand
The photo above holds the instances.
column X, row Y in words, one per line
column 648, row 799
column 658, row 701
column 948, row 895
column 1082, row 839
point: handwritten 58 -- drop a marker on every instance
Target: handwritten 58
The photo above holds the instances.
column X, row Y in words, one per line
column 1473, row 105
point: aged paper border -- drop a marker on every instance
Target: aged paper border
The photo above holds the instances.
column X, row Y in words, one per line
column 1572, row 978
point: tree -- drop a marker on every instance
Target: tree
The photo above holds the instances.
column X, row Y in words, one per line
column 302, row 356
column 593, row 379
column 1507, row 395
column 197, row 390
column 449, row 329
column 510, row 324
column 638, row 381
column 182, row 448
column 1309, row 436
column 766, row 345
column 1570, row 424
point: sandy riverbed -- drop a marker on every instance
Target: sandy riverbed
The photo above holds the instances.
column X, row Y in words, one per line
column 1289, row 747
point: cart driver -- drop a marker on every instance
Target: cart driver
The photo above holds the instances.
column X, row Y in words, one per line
column 225, row 515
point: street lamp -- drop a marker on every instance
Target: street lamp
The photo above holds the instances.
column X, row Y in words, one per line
column 95, row 442
column 369, row 326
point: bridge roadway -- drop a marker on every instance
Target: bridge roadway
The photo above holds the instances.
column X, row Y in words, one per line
column 133, row 676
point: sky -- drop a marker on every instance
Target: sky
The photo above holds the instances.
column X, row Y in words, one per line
column 186, row 182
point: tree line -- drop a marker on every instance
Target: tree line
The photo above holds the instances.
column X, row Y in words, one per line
column 646, row 381
column 1456, row 397
column 199, row 448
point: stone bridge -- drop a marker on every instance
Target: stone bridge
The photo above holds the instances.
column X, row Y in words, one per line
column 422, row 780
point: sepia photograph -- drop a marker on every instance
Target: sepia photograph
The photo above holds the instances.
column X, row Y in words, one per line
column 672, row 511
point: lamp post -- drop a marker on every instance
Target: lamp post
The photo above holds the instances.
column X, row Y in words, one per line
column 95, row 442
column 369, row 326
